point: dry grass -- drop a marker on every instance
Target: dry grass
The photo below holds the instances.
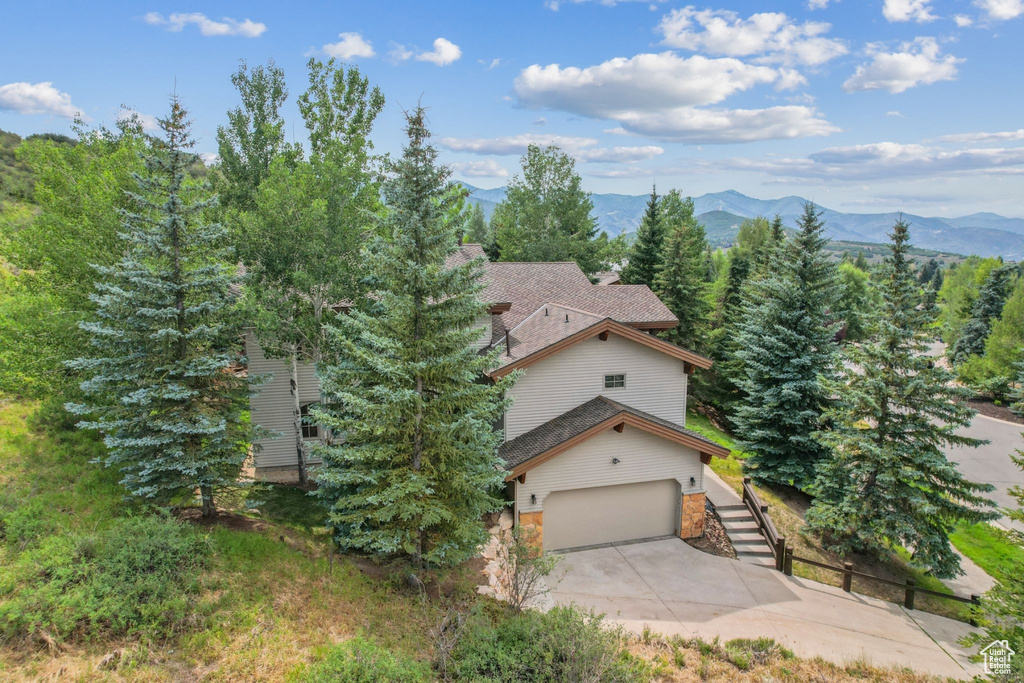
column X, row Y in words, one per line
column 686, row 661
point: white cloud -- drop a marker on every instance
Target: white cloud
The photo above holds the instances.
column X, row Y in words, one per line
column 917, row 63
column 817, row 4
column 37, row 98
column 209, row 158
column 908, row 10
column 984, row 137
column 645, row 81
column 488, row 168
column 351, row 46
column 148, row 122
column 399, row 53
column 895, row 114
column 490, row 63
column 582, row 148
column 208, row 27
column 723, row 126
column 772, row 36
column 659, row 95
column 883, row 160
column 554, row 5
column 1001, row 10
column 540, row 122
column 444, row 53
column 963, row 21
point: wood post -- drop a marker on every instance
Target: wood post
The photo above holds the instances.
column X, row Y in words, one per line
column 847, row 576
column 780, row 553
column 788, row 566
column 908, row 600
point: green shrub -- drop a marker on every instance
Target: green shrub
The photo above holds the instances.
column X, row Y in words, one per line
column 139, row 577
column 564, row 644
column 745, row 653
column 362, row 661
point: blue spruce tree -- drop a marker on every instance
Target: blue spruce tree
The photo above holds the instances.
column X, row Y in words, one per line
column 785, row 350
column 414, row 467
column 888, row 482
column 161, row 383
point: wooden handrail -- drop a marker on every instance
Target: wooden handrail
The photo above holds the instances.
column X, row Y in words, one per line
column 760, row 513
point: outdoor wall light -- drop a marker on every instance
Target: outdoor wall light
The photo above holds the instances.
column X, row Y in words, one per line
column 533, row 499
column 693, row 482
column 615, row 461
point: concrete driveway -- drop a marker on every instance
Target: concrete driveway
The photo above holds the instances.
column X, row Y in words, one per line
column 675, row 589
column 991, row 463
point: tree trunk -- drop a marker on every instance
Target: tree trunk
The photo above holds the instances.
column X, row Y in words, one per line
column 300, row 445
column 209, row 509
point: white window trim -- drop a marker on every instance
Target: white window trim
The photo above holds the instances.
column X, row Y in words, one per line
column 612, row 376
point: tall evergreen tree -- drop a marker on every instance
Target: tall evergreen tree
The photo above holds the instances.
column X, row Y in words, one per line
column 645, row 255
column 888, row 481
column 778, row 231
column 786, row 347
column 418, row 466
column 160, row 385
column 478, row 230
column 984, row 311
column 681, row 276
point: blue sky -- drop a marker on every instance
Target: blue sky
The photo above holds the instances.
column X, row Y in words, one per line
column 861, row 106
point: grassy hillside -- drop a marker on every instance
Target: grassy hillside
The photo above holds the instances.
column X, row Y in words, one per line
column 256, row 599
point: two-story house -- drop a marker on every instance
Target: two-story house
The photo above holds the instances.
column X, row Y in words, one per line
column 595, row 444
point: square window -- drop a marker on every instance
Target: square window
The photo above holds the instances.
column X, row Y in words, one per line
column 614, row 381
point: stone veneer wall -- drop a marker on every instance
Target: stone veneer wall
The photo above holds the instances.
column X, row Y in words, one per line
column 691, row 522
column 533, row 524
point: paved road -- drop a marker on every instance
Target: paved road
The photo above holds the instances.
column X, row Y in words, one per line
column 675, row 589
column 991, row 463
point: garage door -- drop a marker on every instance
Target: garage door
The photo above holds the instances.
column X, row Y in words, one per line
column 606, row 514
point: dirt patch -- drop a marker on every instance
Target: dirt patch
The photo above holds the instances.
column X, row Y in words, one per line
column 714, row 541
column 990, row 409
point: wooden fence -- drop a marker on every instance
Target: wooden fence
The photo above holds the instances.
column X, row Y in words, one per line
column 784, row 557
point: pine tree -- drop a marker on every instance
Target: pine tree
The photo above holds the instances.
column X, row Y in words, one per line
column 862, row 262
column 984, row 311
column 478, row 230
column 418, row 466
column 161, row 386
column 646, row 253
column 888, row 482
column 778, row 231
column 681, row 277
column 786, row 349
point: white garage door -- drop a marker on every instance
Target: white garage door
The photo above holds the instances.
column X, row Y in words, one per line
column 606, row 514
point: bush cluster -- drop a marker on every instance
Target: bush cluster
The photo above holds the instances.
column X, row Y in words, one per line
column 138, row 577
column 564, row 644
column 360, row 660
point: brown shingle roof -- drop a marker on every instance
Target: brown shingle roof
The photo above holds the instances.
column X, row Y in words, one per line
column 579, row 420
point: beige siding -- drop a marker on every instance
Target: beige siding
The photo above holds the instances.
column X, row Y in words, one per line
column 642, row 457
column 655, row 383
column 271, row 408
column 484, row 322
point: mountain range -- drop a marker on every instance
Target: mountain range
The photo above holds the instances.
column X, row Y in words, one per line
column 985, row 234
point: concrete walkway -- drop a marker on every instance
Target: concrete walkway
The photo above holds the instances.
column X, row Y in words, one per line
column 675, row 589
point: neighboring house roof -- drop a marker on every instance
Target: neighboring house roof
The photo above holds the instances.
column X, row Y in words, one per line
column 540, row 336
column 597, row 415
column 608, row 277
